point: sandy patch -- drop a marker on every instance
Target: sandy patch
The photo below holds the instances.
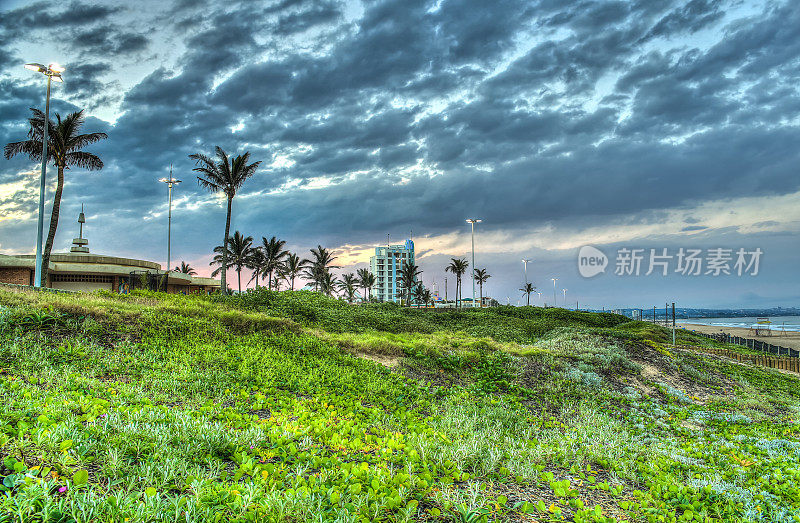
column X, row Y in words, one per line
column 385, row 360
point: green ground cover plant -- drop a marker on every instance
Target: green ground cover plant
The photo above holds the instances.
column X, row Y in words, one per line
column 289, row 406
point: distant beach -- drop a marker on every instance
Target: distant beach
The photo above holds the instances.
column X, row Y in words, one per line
column 789, row 323
column 789, row 338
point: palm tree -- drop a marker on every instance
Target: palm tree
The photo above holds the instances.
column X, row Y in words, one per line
column 426, row 296
column 366, row 280
column 292, row 267
column 239, row 251
column 64, row 146
column 256, row 263
column 185, row 268
column 457, row 266
column 226, row 175
column 481, row 276
column 281, row 276
column 348, row 285
column 527, row 290
column 328, row 283
column 318, row 265
column 273, row 256
column 408, row 280
column 420, row 295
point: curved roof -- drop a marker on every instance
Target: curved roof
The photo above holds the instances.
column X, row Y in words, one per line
column 86, row 263
column 73, row 257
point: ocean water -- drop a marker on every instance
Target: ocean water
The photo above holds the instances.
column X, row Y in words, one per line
column 789, row 323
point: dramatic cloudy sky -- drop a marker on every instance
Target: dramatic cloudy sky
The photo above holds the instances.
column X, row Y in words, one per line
column 640, row 124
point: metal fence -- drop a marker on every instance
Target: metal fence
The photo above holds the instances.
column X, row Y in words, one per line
column 752, row 344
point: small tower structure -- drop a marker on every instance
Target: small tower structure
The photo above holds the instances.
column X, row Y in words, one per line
column 80, row 244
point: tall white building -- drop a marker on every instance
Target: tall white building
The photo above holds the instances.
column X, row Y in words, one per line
column 385, row 265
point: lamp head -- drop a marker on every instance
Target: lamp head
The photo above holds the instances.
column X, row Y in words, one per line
column 53, row 70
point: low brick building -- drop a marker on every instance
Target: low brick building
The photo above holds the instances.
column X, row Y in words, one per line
column 91, row 272
column 79, row 270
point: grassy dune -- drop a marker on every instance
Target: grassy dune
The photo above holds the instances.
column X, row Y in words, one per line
column 294, row 407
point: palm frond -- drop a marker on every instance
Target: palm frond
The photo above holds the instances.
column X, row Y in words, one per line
column 32, row 148
column 84, row 160
column 82, row 140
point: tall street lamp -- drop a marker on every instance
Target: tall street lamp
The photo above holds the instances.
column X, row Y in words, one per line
column 170, row 182
column 472, row 222
column 554, row 291
column 52, row 72
column 565, row 297
column 525, row 263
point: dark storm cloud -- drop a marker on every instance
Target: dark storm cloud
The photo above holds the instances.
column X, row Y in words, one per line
column 42, row 14
column 419, row 112
column 688, row 18
column 103, row 40
column 314, row 15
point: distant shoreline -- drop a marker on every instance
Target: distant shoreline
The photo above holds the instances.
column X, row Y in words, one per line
column 789, row 339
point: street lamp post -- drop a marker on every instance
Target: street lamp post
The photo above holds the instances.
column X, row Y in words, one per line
column 472, row 222
column 525, row 264
column 565, row 297
column 52, row 72
column 170, row 182
column 554, row 291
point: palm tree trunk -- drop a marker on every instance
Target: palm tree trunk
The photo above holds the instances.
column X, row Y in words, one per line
column 51, row 234
column 239, row 274
column 269, row 280
column 223, row 280
column 292, row 282
column 481, row 294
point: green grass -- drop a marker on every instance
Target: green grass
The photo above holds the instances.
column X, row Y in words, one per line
column 258, row 407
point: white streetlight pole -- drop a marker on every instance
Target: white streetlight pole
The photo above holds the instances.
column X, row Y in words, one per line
column 565, row 297
column 525, row 264
column 472, row 222
column 170, row 182
column 52, row 72
column 554, row 291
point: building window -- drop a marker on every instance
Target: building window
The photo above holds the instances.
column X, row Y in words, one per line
column 82, row 278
